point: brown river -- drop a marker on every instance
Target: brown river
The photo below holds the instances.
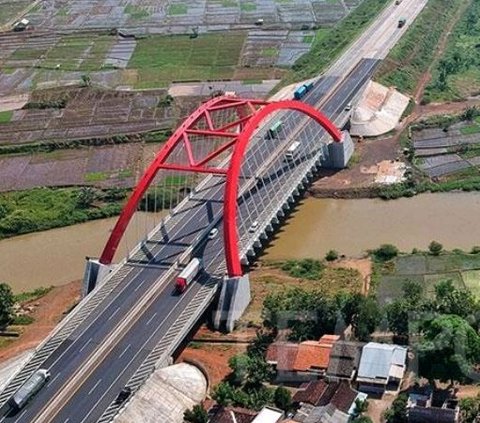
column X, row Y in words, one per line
column 57, row 256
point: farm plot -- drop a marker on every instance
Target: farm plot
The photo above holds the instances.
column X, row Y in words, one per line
column 86, row 113
column 180, row 16
column 462, row 269
column 11, row 9
column 105, row 167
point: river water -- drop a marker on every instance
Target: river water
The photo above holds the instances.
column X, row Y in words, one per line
column 57, row 256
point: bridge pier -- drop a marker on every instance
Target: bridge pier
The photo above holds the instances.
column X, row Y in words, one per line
column 95, row 273
column 234, row 299
column 339, row 153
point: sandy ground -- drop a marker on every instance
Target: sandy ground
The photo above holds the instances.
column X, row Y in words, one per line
column 47, row 312
column 363, row 265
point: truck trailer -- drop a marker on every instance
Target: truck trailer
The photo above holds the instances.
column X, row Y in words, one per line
column 188, row 274
column 31, row 386
column 302, row 90
column 291, row 151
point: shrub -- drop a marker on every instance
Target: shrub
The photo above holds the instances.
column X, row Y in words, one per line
column 475, row 250
column 435, row 248
column 385, row 252
column 332, row 255
column 307, row 268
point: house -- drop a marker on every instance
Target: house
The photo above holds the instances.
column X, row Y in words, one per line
column 301, row 362
column 344, row 360
column 420, row 408
column 322, row 402
column 233, row 415
column 381, row 367
column 268, row 415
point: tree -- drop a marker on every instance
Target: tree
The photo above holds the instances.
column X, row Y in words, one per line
column 249, row 371
column 449, row 349
column 85, row 197
column 397, row 413
column 435, row 248
column 412, row 292
column 196, row 415
column 332, row 255
column 6, row 304
column 349, row 305
column 86, row 80
column 282, row 398
column 362, row 419
column 385, row 252
column 367, row 319
column 469, row 409
column 223, row 393
column 470, row 113
column 450, row 300
column 397, row 314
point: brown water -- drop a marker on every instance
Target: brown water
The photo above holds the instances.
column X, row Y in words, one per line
column 353, row 226
column 57, row 256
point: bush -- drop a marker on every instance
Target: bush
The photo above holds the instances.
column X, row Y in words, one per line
column 475, row 250
column 307, row 269
column 385, row 252
column 196, row 415
column 23, row 320
column 282, row 398
column 435, row 248
column 332, row 255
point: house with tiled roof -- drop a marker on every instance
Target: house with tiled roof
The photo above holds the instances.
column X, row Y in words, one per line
column 344, row 360
column 381, row 367
column 322, row 402
column 301, row 362
column 233, row 415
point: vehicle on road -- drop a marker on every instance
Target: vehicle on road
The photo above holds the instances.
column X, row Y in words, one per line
column 274, row 129
column 302, row 90
column 123, row 395
column 213, row 233
column 397, row 2
column 188, row 274
column 291, row 151
column 402, row 22
column 31, row 386
column 348, row 107
column 253, row 227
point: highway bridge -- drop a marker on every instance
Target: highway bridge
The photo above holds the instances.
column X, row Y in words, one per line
column 226, row 168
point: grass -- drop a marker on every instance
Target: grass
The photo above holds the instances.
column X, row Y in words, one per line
column 413, row 54
column 471, row 129
column 23, row 297
column 306, row 269
column 330, row 43
column 269, row 52
column 136, row 12
column 163, row 59
column 248, row 7
column 11, row 9
column 23, row 320
column 95, row 176
column 308, row 39
column 45, row 208
column 177, row 9
column 6, row 116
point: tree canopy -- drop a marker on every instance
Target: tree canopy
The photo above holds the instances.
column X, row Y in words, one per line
column 6, row 304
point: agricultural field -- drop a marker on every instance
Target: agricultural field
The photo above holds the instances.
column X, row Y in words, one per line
column 84, row 113
column 11, row 9
column 181, row 16
column 441, row 153
column 461, row 268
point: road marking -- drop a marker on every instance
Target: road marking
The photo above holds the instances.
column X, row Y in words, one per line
column 151, row 318
column 125, row 350
column 67, row 420
column 83, row 347
column 21, row 415
column 54, row 379
column 139, row 285
column 115, row 312
column 93, row 389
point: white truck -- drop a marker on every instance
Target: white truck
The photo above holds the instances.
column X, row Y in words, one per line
column 188, row 274
column 31, row 386
column 290, row 154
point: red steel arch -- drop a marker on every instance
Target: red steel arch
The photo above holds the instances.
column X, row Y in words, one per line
column 236, row 135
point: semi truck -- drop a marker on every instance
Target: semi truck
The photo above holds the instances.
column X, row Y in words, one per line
column 302, row 90
column 188, row 274
column 290, row 154
column 31, row 386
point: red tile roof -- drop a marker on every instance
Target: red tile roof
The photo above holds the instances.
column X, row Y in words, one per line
column 242, row 415
column 283, row 354
column 311, row 392
column 319, row 394
column 313, row 354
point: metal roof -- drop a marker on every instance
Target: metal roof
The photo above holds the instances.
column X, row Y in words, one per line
column 377, row 359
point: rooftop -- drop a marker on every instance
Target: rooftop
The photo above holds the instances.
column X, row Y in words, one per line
column 233, row 415
column 344, row 358
column 381, row 361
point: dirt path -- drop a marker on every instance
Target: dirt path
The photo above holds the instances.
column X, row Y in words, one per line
column 47, row 312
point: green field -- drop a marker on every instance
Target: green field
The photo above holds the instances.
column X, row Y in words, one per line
column 461, row 268
column 161, row 60
column 6, row 116
column 9, row 10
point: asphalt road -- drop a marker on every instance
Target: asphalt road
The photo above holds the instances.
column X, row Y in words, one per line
column 114, row 370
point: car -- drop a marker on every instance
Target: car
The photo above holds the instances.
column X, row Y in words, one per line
column 253, row 226
column 123, row 395
column 213, row 233
column 348, row 107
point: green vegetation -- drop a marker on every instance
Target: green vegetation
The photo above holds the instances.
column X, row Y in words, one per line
column 32, row 295
column 331, row 255
column 95, row 176
column 163, row 59
column 435, row 248
column 385, row 252
column 6, row 305
column 12, row 9
column 414, row 53
column 177, row 9
column 196, row 415
column 6, row 116
column 45, row 208
column 456, row 75
column 22, row 320
column 306, row 269
column 329, row 43
column 248, row 7
column 397, row 413
column 472, row 129
column 136, row 12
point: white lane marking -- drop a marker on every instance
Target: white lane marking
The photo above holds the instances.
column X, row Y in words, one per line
column 138, row 286
column 151, row 318
column 113, row 314
column 67, row 420
column 54, row 379
column 125, row 350
column 93, row 389
column 84, row 345
column 21, row 415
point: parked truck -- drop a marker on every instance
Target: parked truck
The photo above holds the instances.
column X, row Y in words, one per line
column 302, row 90
column 188, row 274
column 31, row 386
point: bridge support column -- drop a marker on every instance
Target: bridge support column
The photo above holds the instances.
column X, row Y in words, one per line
column 339, row 153
column 234, row 299
column 95, row 273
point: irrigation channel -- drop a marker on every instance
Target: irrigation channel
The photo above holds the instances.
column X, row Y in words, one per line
column 57, row 256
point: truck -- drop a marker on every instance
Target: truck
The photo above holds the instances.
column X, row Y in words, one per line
column 31, row 386
column 188, row 274
column 402, row 22
column 290, row 154
column 274, row 129
column 302, row 90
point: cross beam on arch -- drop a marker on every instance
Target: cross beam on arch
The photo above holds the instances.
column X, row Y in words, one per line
column 233, row 136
